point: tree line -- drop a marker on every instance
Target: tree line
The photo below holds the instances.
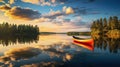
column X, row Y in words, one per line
column 78, row 33
column 18, row 30
column 102, row 26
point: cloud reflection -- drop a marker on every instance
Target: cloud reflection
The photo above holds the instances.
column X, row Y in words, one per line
column 64, row 51
column 43, row 64
column 58, row 49
column 20, row 53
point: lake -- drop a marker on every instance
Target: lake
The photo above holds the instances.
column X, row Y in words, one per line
column 58, row 50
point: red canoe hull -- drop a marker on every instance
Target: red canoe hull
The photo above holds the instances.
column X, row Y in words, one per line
column 86, row 43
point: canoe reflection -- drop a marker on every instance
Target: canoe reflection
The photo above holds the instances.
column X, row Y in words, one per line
column 84, row 42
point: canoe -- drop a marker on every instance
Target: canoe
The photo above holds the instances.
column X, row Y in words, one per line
column 84, row 42
column 81, row 38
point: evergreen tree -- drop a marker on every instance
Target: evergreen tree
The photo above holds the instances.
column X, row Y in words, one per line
column 103, row 26
column 17, row 30
column 110, row 23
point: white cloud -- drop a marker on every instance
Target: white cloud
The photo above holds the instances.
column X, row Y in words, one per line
column 64, row 8
column 11, row 1
column 53, row 1
column 45, row 2
column 69, row 10
column 42, row 19
column 32, row 1
column 55, row 14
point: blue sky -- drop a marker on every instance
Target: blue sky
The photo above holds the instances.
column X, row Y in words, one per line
column 62, row 15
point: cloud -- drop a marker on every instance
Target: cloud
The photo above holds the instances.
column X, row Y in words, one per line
column 64, row 8
column 25, row 14
column 61, row 23
column 77, row 21
column 4, row 8
column 42, row 19
column 59, row 20
column 45, row 2
column 68, row 10
column 20, row 13
column 69, row 23
column 11, row 1
column 53, row 1
column 55, row 16
column 32, row 1
column 85, row 11
column 29, row 14
column 75, row 24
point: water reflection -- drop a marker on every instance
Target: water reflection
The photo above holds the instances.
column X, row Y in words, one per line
column 57, row 50
column 105, row 42
column 87, row 43
column 61, row 51
column 99, row 41
column 11, row 40
column 21, row 53
column 44, row 64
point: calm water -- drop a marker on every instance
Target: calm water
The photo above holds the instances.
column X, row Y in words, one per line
column 58, row 51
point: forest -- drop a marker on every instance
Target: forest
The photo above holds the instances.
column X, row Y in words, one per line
column 18, row 30
column 104, row 26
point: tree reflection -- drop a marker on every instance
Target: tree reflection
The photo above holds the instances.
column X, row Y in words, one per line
column 104, row 42
column 11, row 40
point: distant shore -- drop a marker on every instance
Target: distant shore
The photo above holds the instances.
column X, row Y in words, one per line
column 46, row 33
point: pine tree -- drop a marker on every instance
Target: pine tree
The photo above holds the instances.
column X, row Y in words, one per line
column 105, row 25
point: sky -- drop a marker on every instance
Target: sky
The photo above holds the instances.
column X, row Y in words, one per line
column 58, row 15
